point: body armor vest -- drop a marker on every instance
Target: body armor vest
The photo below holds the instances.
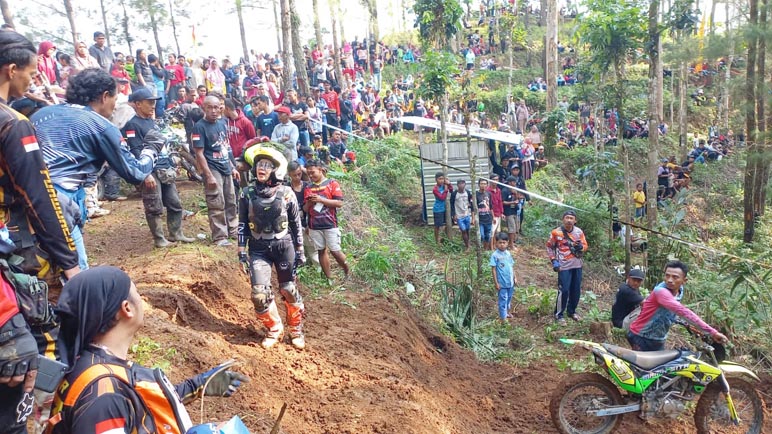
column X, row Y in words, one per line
column 268, row 215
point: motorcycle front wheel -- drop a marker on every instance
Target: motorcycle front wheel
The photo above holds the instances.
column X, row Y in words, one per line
column 579, row 394
column 712, row 414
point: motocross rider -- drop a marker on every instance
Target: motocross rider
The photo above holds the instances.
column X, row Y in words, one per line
column 270, row 232
column 658, row 312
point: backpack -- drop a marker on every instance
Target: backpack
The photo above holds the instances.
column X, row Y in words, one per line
column 630, row 318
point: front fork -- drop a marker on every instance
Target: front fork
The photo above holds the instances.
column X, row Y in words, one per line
column 729, row 402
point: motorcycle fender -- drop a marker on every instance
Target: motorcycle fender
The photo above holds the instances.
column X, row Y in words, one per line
column 733, row 370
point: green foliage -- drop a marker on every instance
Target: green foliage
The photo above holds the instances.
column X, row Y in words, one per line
column 148, row 352
column 392, row 171
column 550, row 125
column 438, row 69
column 612, row 31
column 437, row 20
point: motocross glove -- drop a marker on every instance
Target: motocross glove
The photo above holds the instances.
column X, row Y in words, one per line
column 244, row 260
column 555, row 265
column 300, row 258
column 18, row 350
column 223, row 383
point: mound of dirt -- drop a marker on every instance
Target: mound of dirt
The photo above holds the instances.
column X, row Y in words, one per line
column 372, row 364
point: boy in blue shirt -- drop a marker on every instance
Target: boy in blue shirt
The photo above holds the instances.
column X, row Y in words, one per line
column 503, row 268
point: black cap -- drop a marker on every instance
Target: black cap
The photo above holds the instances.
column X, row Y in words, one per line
column 636, row 273
column 98, row 34
column 142, row 94
column 569, row 212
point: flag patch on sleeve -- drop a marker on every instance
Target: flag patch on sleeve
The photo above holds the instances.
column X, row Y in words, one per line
column 30, row 143
column 196, row 137
column 131, row 134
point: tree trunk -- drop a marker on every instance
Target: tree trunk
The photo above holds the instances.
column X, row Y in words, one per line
column 71, row 18
column 125, row 25
column 242, row 32
column 174, row 27
column 334, row 10
column 317, row 26
column 6, row 11
column 372, row 5
column 444, row 140
column 473, row 183
column 660, row 84
column 655, row 75
column 277, row 24
column 543, row 16
column 286, row 47
column 527, row 24
column 154, row 26
column 551, row 54
column 104, row 21
column 762, row 167
column 749, row 218
column 713, row 17
column 628, row 204
column 297, row 52
column 682, row 127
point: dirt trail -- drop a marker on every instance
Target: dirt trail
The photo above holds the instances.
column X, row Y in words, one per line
column 372, row 365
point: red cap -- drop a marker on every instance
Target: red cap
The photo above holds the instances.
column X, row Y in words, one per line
column 284, row 110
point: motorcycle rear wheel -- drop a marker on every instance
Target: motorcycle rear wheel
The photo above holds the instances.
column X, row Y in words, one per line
column 576, row 395
column 712, row 415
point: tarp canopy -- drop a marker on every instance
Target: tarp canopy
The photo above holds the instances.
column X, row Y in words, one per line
column 454, row 128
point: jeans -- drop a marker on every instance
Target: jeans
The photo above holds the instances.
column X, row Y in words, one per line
column 505, row 299
column 80, row 247
column 569, row 290
column 639, row 343
column 485, row 231
column 304, row 138
column 112, row 183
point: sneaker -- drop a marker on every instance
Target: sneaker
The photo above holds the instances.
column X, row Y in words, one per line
column 561, row 321
column 97, row 212
column 575, row 317
column 224, row 243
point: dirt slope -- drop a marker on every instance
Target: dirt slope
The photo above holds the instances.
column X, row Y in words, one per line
column 372, row 364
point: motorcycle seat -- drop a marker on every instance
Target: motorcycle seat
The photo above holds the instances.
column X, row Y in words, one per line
column 644, row 359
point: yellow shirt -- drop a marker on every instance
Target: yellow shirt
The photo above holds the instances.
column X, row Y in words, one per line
column 639, row 198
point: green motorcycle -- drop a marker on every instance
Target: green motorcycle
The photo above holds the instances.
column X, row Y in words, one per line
column 658, row 384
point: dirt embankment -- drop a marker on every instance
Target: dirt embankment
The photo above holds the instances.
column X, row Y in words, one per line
column 372, row 365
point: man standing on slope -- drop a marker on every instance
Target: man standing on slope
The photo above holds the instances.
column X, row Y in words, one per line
column 565, row 248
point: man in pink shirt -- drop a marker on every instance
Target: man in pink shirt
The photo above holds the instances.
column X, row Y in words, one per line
column 658, row 312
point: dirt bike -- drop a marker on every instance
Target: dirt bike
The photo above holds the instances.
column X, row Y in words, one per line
column 658, row 384
column 177, row 146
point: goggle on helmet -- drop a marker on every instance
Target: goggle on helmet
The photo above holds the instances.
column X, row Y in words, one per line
column 259, row 152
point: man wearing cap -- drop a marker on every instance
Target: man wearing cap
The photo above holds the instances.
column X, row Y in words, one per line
column 565, row 249
column 286, row 133
column 628, row 297
column 101, row 52
column 159, row 188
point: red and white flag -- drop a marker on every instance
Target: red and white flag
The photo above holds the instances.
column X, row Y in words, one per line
column 131, row 134
column 30, row 143
column 111, row 426
column 196, row 137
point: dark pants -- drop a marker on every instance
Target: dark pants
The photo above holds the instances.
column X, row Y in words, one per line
column 639, row 343
column 569, row 290
column 15, row 407
column 163, row 195
column 112, row 183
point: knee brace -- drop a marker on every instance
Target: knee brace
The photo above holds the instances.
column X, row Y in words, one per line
column 262, row 296
column 289, row 292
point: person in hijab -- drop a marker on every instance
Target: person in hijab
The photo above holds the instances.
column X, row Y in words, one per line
column 46, row 61
column 215, row 79
column 82, row 58
column 101, row 312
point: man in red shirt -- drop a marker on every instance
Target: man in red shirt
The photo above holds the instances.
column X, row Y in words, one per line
column 497, row 206
column 240, row 129
column 176, row 77
column 330, row 96
column 317, row 54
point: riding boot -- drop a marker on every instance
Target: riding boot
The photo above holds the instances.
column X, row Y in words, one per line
column 271, row 321
column 174, row 222
column 295, row 323
column 157, row 230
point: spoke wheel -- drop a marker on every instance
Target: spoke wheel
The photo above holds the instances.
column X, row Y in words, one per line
column 712, row 414
column 578, row 394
